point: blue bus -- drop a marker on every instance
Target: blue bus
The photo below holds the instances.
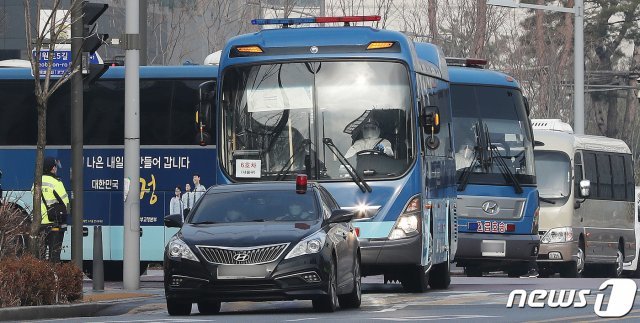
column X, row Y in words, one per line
column 170, row 150
column 497, row 203
column 358, row 110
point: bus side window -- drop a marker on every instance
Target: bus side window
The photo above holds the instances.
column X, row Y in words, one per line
column 629, row 178
column 604, row 176
column 617, row 167
column 577, row 172
column 591, row 173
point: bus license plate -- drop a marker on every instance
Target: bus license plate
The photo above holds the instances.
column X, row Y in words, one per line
column 493, row 248
column 241, row 271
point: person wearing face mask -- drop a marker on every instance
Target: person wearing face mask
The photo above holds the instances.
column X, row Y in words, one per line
column 370, row 140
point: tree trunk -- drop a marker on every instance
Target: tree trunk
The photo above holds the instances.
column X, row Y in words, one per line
column 433, row 22
column 542, row 63
column 35, row 237
column 481, row 28
column 567, row 36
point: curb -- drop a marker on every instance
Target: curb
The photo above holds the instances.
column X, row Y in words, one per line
column 51, row 311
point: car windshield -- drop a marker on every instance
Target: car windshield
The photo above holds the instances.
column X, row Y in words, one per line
column 553, row 171
column 277, row 118
column 255, row 206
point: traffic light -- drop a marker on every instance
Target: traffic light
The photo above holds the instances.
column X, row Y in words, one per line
column 92, row 68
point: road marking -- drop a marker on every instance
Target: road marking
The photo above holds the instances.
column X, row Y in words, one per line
column 433, row 317
column 593, row 316
column 305, row 319
column 391, row 309
column 154, row 320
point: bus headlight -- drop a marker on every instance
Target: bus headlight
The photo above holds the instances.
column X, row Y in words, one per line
column 179, row 249
column 408, row 222
column 555, row 235
column 310, row 245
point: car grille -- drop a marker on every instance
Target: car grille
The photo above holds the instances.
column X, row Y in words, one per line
column 242, row 256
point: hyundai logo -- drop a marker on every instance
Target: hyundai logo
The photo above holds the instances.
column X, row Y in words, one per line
column 241, row 257
column 490, row 207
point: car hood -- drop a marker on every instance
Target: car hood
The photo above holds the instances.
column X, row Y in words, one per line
column 247, row 234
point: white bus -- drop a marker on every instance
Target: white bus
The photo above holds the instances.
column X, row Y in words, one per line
column 631, row 268
column 587, row 194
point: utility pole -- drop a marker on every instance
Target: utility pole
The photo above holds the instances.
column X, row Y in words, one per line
column 143, row 32
column 131, row 266
column 578, row 51
column 77, row 202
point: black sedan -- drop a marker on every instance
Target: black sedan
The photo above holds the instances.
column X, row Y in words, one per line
column 262, row 241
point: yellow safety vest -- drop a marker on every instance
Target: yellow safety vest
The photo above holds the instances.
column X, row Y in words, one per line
column 49, row 185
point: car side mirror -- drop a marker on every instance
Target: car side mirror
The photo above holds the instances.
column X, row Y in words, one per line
column 585, row 188
column 340, row 215
column 173, row 221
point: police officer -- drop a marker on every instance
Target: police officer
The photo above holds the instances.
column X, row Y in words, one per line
column 52, row 186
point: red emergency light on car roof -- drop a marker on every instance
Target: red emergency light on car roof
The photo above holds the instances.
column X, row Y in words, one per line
column 311, row 20
column 301, row 183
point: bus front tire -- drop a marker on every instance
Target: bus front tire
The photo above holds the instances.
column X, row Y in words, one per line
column 416, row 280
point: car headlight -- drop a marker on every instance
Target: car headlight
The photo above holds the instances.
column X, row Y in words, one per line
column 179, row 249
column 564, row 234
column 309, row 245
column 407, row 224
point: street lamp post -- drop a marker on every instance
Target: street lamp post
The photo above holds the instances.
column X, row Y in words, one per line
column 578, row 51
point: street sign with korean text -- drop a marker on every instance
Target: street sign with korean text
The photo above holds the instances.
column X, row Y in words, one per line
column 60, row 61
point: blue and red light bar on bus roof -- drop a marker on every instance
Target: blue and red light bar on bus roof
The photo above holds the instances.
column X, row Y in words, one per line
column 312, row 20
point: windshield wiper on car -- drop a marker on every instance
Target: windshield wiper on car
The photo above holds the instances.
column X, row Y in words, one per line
column 546, row 200
column 506, row 171
column 364, row 187
column 480, row 157
column 282, row 173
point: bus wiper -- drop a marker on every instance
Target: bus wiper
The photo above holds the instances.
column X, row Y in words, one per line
column 466, row 172
column 282, row 173
column 546, row 200
column 505, row 170
column 364, row 187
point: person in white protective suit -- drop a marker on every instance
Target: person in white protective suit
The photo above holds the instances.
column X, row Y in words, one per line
column 370, row 140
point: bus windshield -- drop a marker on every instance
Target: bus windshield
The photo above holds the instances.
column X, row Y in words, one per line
column 277, row 119
column 553, row 169
column 502, row 111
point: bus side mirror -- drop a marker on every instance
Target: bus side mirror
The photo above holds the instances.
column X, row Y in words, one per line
column 526, row 105
column 585, row 188
column 206, row 101
column 431, row 119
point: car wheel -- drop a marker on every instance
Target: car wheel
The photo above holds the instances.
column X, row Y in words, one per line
column 329, row 302
column 440, row 275
column 416, row 280
column 354, row 298
column 178, row 308
column 209, row 308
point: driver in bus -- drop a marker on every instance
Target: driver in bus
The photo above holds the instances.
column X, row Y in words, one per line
column 370, row 140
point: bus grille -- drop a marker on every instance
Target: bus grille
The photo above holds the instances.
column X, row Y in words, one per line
column 242, row 256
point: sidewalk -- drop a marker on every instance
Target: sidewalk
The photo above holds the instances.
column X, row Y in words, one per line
column 92, row 303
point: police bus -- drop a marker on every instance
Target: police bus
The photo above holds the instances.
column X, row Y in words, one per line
column 497, row 204
column 170, row 150
column 587, row 195
column 356, row 109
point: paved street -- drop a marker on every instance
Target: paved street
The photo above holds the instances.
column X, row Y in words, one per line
column 469, row 299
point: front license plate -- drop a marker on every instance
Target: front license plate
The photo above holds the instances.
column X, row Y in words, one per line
column 493, row 248
column 241, row 271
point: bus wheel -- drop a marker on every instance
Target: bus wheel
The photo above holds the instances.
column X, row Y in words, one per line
column 416, row 280
column 440, row 275
column 473, row 271
column 573, row 269
column 615, row 270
